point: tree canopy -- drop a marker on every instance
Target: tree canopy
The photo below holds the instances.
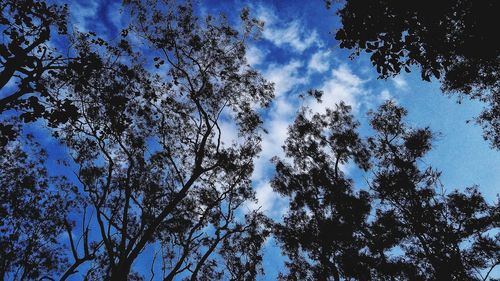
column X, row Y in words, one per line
column 453, row 41
column 150, row 163
column 403, row 226
column 34, row 210
column 28, row 62
column 115, row 160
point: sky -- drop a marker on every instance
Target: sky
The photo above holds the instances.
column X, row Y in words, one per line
column 297, row 51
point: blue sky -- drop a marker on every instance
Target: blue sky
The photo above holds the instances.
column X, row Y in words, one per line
column 298, row 52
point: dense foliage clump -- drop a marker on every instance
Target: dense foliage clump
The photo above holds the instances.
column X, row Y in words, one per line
column 454, row 41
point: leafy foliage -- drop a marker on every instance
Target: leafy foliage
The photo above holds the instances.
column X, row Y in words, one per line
column 28, row 62
column 322, row 231
column 453, row 41
column 442, row 236
column 142, row 118
column 149, row 150
column 33, row 213
column 404, row 228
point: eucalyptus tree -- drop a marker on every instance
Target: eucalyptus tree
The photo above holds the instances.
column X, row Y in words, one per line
column 150, row 147
column 453, row 41
column 322, row 233
column 28, row 60
column 34, row 213
column 442, row 236
column 401, row 226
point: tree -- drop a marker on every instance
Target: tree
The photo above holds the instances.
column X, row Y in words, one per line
column 453, row 41
column 443, row 236
column 34, row 210
column 28, row 60
column 149, row 147
column 405, row 227
column 323, row 231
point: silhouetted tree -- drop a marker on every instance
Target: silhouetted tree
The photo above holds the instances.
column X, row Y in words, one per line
column 34, row 210
column 415, row 230
column 28, row 60
column 142, row 117
column 149, row 145
column 441, row 236
column 322, row 233
column 454, row 41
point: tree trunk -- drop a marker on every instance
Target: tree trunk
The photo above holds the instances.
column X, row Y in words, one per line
column 121, row 271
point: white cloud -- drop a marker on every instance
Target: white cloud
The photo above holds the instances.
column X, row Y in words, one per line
column 229, row 132
column 81, row 12
column 342, row 86
column 266, row 14
column 285, row 77
column 268, row 201
column 385, row 95
column 400, row 83
column 319, row 61
column 282, row 114
column 345, row 76
column 291, row 33
column 255, row 55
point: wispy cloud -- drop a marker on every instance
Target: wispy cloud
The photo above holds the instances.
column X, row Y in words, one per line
column 287, row 34
column 385, row 95
column 83, row 13
column 229, row 132
column 343, row 85
column 281, row 116
column 255, row 56
column 319, row 61
column 268, row 200
column 286, row 77
column 116, row 15
column 400, row 83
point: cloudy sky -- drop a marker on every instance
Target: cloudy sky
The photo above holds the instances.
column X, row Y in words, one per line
column 297, row 51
